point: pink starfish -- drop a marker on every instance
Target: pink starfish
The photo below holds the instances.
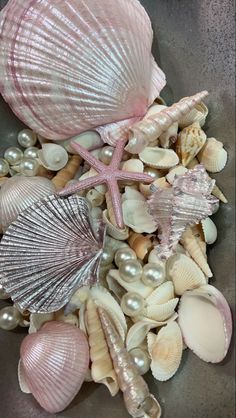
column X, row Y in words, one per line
column 108, row 174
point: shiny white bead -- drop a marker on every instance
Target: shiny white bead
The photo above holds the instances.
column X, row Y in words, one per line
column 124, row 254
column 31, row 152
column 132, row 304
column 141, row 360
column 9, row 318
column 155, row 174
column 27, row 138
column 130, row 270
column 106, row 154
column 13, row 155
column 107, row 257
column 29, row 167
column 3, row 294
column 4, row 167
column 153, row 274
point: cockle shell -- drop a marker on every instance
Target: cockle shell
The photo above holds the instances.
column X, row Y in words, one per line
column 190, row 142
column 49, row 252
column 159, row 158
column 18, row 193
column 53, row 157
column 54, row 362
column 197, row 114
column 209, row 230
column 90, row 77
column 138, row 400
column 161, row 312
column 136, row 216
column 165, row 350
column 213, row 156
column 185, row 274
column 206, row 323
column 102, row 368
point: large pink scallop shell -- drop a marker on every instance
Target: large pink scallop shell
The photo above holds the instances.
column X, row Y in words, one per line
column 54, row 362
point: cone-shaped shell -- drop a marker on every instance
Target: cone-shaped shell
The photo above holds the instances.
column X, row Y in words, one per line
column 213, row 156
column 185, row 274
column 18, row 193
column 49, row 252
column 53, row 157
column 165, row 350
column 55, row 362
column 97, row 67
column 190, row 142
column 159, row 158
column 219, row 194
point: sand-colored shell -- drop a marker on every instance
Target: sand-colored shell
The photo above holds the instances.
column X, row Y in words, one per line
column 95, row 198
column 159, row 157
column 176, row 171
column 53, row 157
column 193, row 164
column 190, row 142
column 137, row 217
column 209, row 230
column 68, row 173
column 38, row 320
column 213, row 156
column 114, row 231
column 197, row 114
column 77, row 300
column 21, row 379
column 194, row 248
column 133, row 165
column 162, row 294
column 138, row 286
column 71, row 318
column 219, row 194
column 140, row 244
column 19, row 193
column 146, row 189
column 163, row 311
column 165, row 350
column 185, row 274
column 101, row 368
column 90, row 140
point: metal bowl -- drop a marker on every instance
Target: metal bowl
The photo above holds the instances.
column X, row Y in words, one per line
column 194, row 46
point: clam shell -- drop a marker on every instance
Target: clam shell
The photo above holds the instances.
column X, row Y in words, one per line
column 190, row 142
column 195, row 248
column 133, row 165
column 159, row 158
column 213, row 156
column 89, row 140
column 49, row 252
column 53, row 157
column 165, row 350
column 185, row 274
column 90, row 76
column 197, row 114
column 54, row 384
column 161, row 294
column 18, row 193
column 206, row 323
column 209, row 230
column 136, row 216
column 161, row 312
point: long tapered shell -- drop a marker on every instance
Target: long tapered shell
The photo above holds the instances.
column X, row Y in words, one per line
column 142, row 133
column 213, row 156
column 190, row 141
column 68, row 173
column 137, row 397
column 206, row 323
column 97, row 68
column 49, row 252
column 219, row 194
column 55, row 362
column 53, row 157
column 165, row 351
column 102, row 368
column 185, row 274
column 18, row 193
column 159, row 158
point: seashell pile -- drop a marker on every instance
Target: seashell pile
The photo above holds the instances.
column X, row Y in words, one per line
column 104, row 248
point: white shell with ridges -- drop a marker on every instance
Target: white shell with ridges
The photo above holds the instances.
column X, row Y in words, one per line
column 213, row 156
column 159, row 158
column 53, row 157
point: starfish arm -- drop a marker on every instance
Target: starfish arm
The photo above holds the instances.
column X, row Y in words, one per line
column 114, row 192
column 96, row 164
column 81, row 185
column 127, row 175
column 118, row 153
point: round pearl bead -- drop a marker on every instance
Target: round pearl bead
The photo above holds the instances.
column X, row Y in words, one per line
column 31, row 152
column 4, row 167
column 141, row 360
column 106, row 154
column 130, row 270
column 29, row 167
column 9, row 318
column 27, row 138
column 155, row 174
column 153, row 274
column 13, row 155
column 124, row 254
column 3, row 294
column 132, row 304
column 107, row 257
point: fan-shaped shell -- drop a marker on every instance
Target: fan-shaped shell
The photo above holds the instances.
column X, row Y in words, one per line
column 161, row 294
column 18, row 193
column 163, row 311
column 165, row 351
column 159, row 158
column 185, row 274
column 85, row 64
column 190, row 142
column 55, row 362
column 49, row 252
column 53, row 157
column 213, row 156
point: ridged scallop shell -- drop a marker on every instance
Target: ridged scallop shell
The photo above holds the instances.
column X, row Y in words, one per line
column 53, row 157
column 49, row 252
column 97, row 67
column 161, row 294
column 213, row 156
column 137, row 217
column 185, row 274
column 159, row 158
column 194, row 247
column 102, row 368
column 165, row 350
column 197, row 114
column 209, row 230
column 163, row 311
column 54, row 362
column 190, row 142
column 18, row 193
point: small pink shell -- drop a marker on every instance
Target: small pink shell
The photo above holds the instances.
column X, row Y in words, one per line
column 55, row 361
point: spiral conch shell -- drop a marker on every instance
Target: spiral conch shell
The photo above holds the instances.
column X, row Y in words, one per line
column 190, row 142
column 138, row 400
column 102, row 368
column 53, row 157
column 213, row 156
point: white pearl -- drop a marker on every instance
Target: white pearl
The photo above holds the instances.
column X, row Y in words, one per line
column 130, row 270
column 4, row 167
column 3, row 294
column 124, row 254
column 31, row 152
column 27, row 138
column 9, row 318
column 107, row 257
column 106, row 154
column 29, row 167
column 141, row 360
column 153, row 274
column 155, row 174
column 132, row 304
column 13, row 155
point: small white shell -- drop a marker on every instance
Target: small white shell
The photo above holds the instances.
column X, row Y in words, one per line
column 165, row 350
column 21, row 379
column 159, row 158
column 137, row 217
column 161, row 294
column 71, row 318
column 133, row 165
column 89, row 140
column 53, row 157
column 145, row 189
column 95, row 198
column 161, row 312
column 185, row 274
column 209, row 230
column 132, row 194
column 176, row 171
column 197, row 114
column 114, row 231
column 213, row 156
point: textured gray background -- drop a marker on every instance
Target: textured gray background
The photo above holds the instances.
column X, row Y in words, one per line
column 194, row 44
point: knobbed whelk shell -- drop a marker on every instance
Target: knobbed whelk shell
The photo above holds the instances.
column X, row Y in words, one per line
column 20, row 192
column 159, row 158
column 49, row 252
column 197, row 114
column 138, row 400
column 190, row 142
column 213, row 156
column 54, row 362
column 165, row 350
column 53, row 157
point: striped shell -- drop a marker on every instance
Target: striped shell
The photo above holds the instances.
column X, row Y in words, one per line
column 54, row 363
column 213, row 156
column 86, row 63
column 49, row 252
